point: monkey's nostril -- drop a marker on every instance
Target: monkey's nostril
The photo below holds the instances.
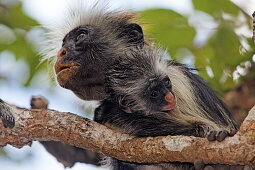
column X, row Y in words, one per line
column 62, row 52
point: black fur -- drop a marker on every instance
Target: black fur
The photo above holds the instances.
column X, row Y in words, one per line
column 140, row 124
column 207, row 98
column 134, row 33
column 109, row 38
column 89, row 47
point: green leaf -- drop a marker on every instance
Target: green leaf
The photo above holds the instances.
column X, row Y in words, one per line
column 14, row 17
column 216, row 7
column 168, row 28
column 23, row 49
column 3, row 153
column 226, row 45
column 222, row 54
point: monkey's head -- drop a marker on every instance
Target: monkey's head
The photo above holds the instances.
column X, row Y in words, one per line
column 155, row 96
column 158, row 95
column 140, row 83
column 86, row 43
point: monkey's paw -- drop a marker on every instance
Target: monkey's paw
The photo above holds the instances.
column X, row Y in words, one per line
column 6, row 115
column 220, row 135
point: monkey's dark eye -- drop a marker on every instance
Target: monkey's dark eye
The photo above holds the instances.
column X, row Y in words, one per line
column 81, row 36
column 167, row 83
column 154, row 94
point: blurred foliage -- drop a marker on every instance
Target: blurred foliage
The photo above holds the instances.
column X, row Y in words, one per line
column 221, row 53
column 217, row 57
column 216, row 7
column 15, row 27
column 168, row 28
column 2, row 153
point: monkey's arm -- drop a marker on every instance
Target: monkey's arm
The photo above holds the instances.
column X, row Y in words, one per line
column 66, row 154
column 138, row 124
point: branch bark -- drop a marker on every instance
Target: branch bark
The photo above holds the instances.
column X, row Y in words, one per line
column 50, row 125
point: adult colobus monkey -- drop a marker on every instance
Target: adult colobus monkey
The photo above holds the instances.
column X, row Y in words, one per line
column 92, row 38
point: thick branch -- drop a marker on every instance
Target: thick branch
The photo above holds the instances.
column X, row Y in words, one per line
column 46, row 125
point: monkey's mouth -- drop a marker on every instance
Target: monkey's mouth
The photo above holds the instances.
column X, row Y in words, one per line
column 61, row 68
column 65, row 71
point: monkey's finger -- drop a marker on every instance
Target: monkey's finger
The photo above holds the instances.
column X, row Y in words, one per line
column 212, row 135
column 221, row 135
column 232, row 132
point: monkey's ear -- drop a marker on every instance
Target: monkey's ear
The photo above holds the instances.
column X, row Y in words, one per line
column 134, row 34
column 124, row 105
column 134, row 26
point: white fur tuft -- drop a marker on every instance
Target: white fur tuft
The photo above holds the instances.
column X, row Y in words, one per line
column 79, row 12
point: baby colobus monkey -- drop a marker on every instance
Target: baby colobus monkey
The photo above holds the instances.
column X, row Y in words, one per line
column 145, row 83
column 139, row 92
column 149, row 96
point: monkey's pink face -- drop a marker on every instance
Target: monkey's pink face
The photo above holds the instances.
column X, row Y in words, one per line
column 171, row 102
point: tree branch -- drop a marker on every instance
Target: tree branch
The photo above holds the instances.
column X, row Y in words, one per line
column 48, row 125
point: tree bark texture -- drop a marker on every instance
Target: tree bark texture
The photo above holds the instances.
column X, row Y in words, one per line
column 49, row 125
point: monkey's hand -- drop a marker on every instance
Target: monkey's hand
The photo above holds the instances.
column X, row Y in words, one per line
column 6, row 115
column 219, row 135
